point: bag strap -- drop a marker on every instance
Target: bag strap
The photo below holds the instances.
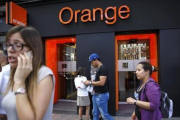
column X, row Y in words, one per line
column 145, row 88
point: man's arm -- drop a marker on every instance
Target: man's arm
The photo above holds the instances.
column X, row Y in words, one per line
column 101, row 82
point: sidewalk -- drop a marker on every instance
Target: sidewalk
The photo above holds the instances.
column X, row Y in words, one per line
column 75, row 117
column 68, row 111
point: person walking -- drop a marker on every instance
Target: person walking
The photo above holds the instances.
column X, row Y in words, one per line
column 101, row 94
column 30, row 92
column 147, row 95
column 4, row 79
column 82, row 93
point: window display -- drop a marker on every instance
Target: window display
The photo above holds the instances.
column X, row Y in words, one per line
column 135, row 51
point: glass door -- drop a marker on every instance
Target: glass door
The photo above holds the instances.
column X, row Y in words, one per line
column 130, row 53
column 67, row 69
column 130, row 50
column 60, row 56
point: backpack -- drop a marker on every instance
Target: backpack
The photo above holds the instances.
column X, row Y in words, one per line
column 166, row 104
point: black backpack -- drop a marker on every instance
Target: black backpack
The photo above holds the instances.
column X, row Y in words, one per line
column 166, row 104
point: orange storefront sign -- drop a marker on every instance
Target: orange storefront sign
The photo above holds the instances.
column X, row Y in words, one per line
column 88, row 16
column 15, row 14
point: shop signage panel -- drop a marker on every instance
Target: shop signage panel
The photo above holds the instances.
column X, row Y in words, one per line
column 66, row 66
column 129, row 65
column 15, row 15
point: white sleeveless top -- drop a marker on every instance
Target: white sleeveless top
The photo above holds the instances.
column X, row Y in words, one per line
column 9, row 101
column 4, row 79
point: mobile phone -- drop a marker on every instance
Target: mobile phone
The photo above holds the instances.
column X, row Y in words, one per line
column 29, row 53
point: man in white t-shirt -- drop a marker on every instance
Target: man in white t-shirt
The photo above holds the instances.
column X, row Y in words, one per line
column 4, row 78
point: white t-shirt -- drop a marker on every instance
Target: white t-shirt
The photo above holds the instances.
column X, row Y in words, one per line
column 9, row 101
column 80, row 86
column 4, row 79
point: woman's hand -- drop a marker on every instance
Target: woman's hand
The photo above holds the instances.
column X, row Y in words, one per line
column 130, row 100
column 24, row 68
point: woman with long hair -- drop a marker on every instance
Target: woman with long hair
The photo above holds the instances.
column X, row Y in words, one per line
column 30, row 91
column 147, row 96
column 82, row 93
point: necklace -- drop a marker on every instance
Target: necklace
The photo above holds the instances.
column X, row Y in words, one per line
column 142, row 86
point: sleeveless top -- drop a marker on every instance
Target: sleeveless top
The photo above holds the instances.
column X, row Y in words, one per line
column 9, row 101
column 4, row 79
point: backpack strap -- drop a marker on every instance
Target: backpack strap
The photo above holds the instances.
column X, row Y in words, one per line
column 150, row 80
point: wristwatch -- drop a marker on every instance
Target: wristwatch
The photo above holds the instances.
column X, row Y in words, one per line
column 20, row 91
column 90, row 83
column 135, row 102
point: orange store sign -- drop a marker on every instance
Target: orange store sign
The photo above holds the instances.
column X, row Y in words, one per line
column 87, row 15
column 15, row 14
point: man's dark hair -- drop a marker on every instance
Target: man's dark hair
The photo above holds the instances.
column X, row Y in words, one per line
column 98, row 59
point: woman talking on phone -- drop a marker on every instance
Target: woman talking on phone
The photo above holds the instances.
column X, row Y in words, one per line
column 30, row 92
column 147, row 96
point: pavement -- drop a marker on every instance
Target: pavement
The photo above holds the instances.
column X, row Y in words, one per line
column 67, row 110
column 75, row 117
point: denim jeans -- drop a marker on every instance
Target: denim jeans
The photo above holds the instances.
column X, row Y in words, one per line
column 100, row 106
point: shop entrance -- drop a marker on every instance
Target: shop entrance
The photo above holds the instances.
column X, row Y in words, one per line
column 130, row 50
column 130, row 53
column 66, row 70
column 61, row 58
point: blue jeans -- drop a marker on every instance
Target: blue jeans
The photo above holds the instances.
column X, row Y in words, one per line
column 100, row 105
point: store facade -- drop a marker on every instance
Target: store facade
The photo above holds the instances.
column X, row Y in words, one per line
column 123, row 33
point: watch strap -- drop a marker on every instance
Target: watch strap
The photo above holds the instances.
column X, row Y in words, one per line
column 20, row 91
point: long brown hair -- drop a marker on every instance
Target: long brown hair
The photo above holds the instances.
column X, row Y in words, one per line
column 33, row 39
